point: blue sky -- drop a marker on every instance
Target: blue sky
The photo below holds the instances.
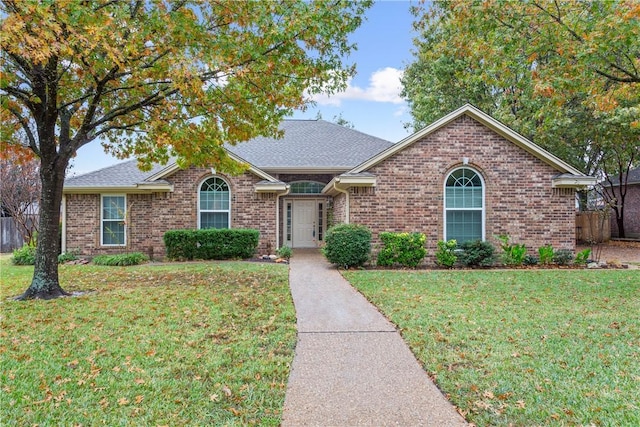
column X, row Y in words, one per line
column 371, row 102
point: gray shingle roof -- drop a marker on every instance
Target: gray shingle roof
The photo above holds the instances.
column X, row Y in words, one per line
column 309, row 144
column 123, row 174
column 306, row 144
column 632, row 178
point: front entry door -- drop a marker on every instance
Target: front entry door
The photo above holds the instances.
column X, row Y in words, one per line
column 304, row 223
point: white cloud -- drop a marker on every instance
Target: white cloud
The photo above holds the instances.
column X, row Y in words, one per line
column 384, row 86
column 400, row 111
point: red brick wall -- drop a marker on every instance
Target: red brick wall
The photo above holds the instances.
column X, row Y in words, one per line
column 151, row 215
column 339, row 209
column 519, row 200
column 631, row 213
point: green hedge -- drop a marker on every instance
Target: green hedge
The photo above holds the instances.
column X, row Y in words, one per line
column 347, row 245
column 211, row 243
column 406, row 249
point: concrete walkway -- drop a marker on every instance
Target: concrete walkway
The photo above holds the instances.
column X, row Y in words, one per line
column 351, row 366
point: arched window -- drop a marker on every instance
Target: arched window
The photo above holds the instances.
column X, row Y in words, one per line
column 214, row 204
column 464, row 206
column 306, row 187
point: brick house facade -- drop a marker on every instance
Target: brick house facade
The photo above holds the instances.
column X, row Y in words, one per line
column 519, row 200
column 328, row 173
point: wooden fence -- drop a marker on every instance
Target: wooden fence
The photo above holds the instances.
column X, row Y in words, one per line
column 593, row 226
column 10, row 238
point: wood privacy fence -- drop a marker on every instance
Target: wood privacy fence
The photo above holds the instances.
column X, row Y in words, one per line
column 10, row 238
column 593, row 226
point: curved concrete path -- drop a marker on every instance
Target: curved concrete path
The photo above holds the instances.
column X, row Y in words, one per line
column 351, row 366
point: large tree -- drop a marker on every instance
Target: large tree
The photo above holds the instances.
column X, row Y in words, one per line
column 564, row 74
column 157, row 78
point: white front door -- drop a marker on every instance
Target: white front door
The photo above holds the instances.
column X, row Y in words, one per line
column 304, row 223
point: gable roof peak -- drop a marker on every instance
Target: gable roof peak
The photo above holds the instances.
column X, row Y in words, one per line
column 486, row 120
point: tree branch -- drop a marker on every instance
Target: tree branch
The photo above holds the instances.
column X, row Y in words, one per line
column 27, row 130
column 630, row 79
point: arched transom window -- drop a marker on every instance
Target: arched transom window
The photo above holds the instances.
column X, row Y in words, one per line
column 464, row 206
column 214, row 204
column 306, row 187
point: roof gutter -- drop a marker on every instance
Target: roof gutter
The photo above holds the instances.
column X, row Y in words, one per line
column 271, row 187
column 127, row 189
column 278, row 195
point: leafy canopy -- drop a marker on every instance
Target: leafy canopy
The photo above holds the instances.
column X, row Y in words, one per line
column 564, row 74
column 159, row 78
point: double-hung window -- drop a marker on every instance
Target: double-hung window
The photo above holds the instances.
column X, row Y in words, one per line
column 464, row 206
column 113, row 230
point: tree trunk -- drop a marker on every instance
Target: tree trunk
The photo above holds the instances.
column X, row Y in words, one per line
column 45, row 283
column 620, row 223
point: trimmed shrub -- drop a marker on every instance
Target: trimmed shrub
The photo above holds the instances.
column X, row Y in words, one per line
column 211, row 243
column 26, row 255
column 530, row 260
column 446, row 253
column 476, row 253
column 347, row 245
column 180, row 244
column 132, row 258
column 406, row 249
column 563, row 256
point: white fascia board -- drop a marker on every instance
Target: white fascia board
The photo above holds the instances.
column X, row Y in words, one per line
column 154, row 187
column 329, row 188
column 276, row 187
column 357, row 181
column 127, row 189
column 572, row 181
column 254, row 169
column 171, row 168
column 344, row 182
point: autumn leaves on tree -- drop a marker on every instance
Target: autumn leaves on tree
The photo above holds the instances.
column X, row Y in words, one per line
column 157, row 79
column 564, row 74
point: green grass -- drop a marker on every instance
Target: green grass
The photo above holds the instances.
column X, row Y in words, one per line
column 178, row 344
column 554, row 347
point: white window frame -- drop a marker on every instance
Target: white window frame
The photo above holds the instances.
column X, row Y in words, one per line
column 103, row 220
column 444, row 201
column 199, row 190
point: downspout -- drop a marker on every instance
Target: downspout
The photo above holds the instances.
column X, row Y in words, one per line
column 63, row 238
column 278, row 215
column 346, row 192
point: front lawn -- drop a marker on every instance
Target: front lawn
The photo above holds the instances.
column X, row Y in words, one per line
column 552, row 347
column 178, row 344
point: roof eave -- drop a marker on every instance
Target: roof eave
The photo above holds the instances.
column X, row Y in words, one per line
column 276, row 187
column 342, row 183
column 128, row 189
column 572, row 181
